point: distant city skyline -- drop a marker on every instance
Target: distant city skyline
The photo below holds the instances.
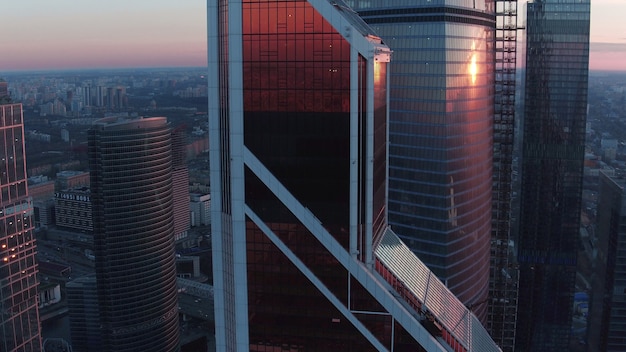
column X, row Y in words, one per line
column 72, row 34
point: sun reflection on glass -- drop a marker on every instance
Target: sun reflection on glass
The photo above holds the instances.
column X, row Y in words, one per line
column 473, row 69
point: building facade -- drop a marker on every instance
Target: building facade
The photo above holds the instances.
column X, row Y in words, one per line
column 200, row 206
column 606, row 324
column 503, row 278
column 82, row 304
column 441, row 111
column 19, row 314
column 131, row 195
column 180, row 185
column 553, row 150
column 303, row 258
column 72, row 209
column 71, row 179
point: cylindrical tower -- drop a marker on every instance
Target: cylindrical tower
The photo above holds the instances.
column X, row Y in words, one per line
column 131, row 185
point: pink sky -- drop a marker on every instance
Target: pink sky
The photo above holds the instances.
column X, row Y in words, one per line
column 607, row 56
column 65, row 34
column 608, row 35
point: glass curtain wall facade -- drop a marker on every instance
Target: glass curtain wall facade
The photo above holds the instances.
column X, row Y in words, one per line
column 502, row 306
column 303, row 258
column 82, row 304
column 606, row 325
column 19, row 315
column 313, row 108
column 553, row 146
column 296, row 70
column 441, row 134
column 131, row 194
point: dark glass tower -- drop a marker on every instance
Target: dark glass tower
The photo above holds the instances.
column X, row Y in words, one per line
column 553, row 146
column 131, row 193
column 502, row 304
column 82, row 304
column 19, row 316
column 303, row 258
column 180, row 184
column 606, row 325
column 441, row 134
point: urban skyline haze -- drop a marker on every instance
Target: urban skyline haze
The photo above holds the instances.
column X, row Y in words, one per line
column 71, row 34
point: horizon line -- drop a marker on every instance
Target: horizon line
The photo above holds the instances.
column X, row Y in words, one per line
column 86, row 69
column 130, row 68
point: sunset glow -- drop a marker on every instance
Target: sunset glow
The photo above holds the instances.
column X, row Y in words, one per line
column 607, row 56
column 473, row 69
column 72, row 34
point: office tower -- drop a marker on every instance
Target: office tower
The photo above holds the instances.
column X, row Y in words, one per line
column 4, row 91
column 69, row 99
column 19, row 315
column 553, row 147
column 502, row 305
column 200, row 207
column 120, row 97
column 110, row 98
column 100, row 94
column 606, row 324
column 441, row 134
column 43, row 213
column 303, row 258
column 180, row 185
column 87, row 95
column 131, row 195
column 82, row 306
column 72, row 209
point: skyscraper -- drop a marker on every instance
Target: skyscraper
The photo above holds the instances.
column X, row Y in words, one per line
column 553, row 147
column 131, row 194
column 606, row 325
column 441, row 134
column 502, row 304
column 19, row 316
column 82, row 304
column 4, row 91
column 180, row 185
column 303, row 258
